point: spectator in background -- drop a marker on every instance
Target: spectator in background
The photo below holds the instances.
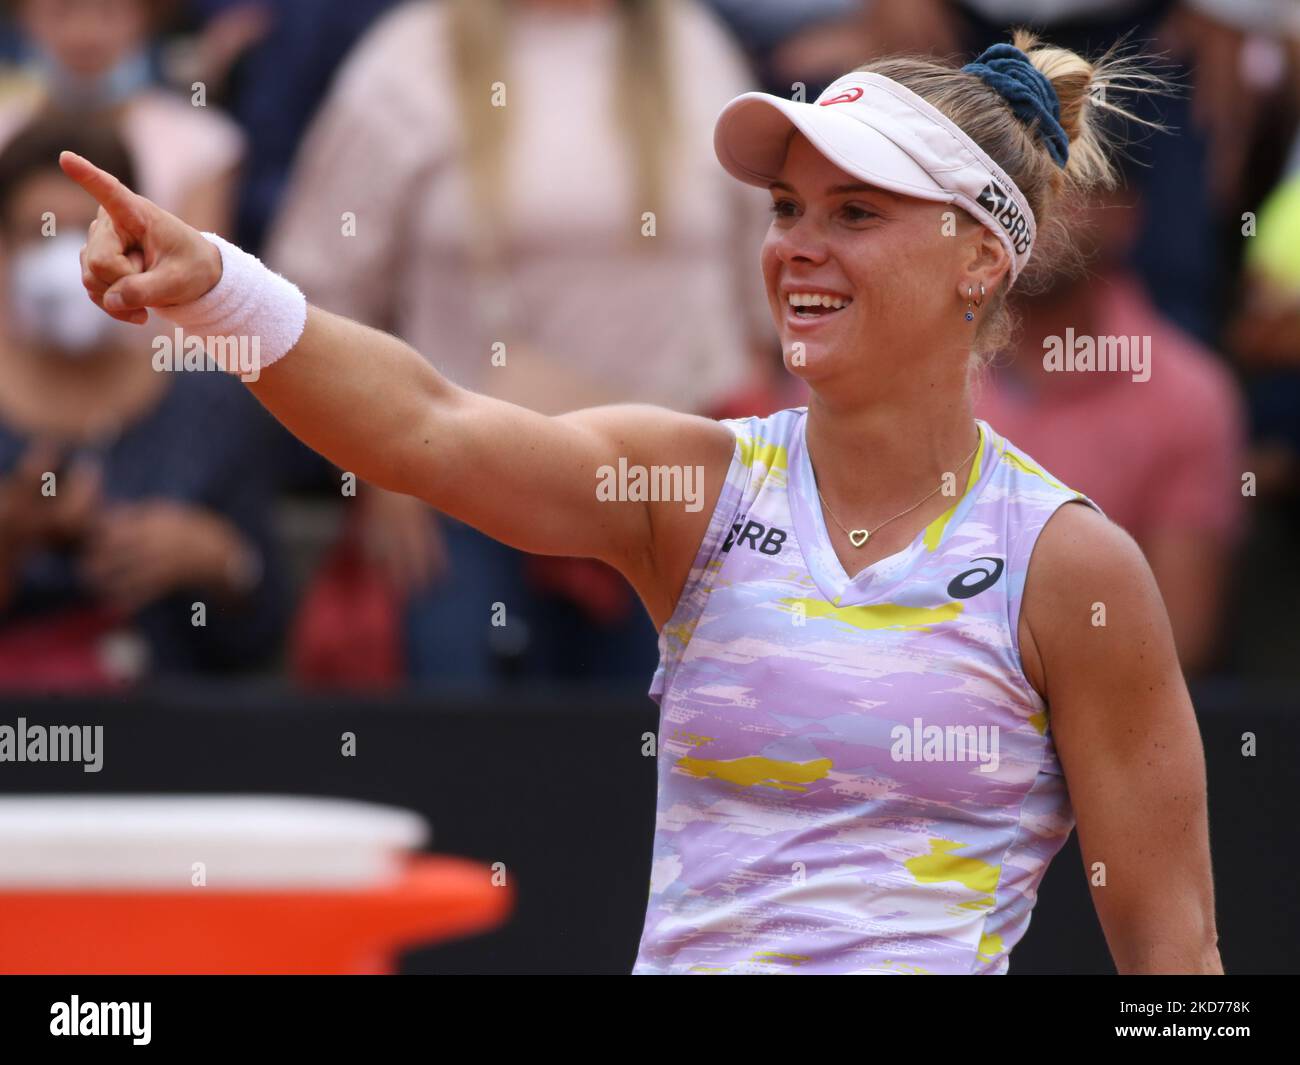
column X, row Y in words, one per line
column 89, row 58
column 1264, row 331
column 1162, row 456
column 811, row 42
column 1230, row 56
column 270, row 62
column 126, row 495
column 527, row 193
column 1265, row 339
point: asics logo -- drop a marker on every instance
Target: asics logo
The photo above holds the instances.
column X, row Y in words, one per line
column 970, row 583
column 848, row 96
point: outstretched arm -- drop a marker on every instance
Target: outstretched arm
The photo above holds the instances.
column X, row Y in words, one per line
column 375, row 407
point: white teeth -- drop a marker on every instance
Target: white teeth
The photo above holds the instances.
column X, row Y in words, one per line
column 818, row 299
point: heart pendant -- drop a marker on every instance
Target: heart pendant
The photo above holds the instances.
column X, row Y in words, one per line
column 858, row 537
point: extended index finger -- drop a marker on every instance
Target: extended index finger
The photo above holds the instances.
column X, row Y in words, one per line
column 122, row 205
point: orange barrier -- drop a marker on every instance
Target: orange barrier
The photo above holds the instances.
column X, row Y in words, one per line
column 206, row 931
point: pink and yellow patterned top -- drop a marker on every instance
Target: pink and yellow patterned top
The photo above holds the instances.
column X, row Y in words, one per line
column 855, row 776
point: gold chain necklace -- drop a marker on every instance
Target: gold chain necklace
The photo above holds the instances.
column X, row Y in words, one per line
column 858, row 537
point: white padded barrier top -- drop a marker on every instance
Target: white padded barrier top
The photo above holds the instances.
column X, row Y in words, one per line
column 174, row 842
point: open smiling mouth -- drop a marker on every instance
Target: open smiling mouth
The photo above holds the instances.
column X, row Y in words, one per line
column 816, row 304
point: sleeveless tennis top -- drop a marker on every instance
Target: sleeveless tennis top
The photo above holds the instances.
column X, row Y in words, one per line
column 855, row 775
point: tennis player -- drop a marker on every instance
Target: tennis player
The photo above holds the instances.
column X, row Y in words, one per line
column 896, row 665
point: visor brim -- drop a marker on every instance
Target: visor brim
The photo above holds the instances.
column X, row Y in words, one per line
column 753, row 132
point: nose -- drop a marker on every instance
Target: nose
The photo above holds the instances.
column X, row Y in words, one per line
column 803, row 243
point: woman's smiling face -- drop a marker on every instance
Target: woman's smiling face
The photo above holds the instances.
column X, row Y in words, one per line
column 857, row 276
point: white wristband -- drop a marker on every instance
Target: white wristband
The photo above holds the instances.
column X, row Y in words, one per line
column 250, row 301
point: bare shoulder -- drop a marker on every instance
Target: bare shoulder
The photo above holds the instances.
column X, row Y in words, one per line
column 1077, row 542
column 1090, row 601
column 658, row 434
column 683, row 460
column 684, row 450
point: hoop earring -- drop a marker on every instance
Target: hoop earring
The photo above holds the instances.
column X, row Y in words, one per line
column 979, row 302
column 970, row 315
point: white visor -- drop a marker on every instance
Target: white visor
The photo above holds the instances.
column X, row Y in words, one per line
column 883, row 134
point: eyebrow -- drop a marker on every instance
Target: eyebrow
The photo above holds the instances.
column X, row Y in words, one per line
column 836, row 190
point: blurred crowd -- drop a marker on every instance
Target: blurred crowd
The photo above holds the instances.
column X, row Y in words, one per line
column 482, row 177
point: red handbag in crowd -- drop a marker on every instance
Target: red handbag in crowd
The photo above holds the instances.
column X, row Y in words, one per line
column 348, row 630
column 77, row 649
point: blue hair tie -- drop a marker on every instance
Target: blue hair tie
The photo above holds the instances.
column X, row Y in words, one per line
column 1009, row 72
